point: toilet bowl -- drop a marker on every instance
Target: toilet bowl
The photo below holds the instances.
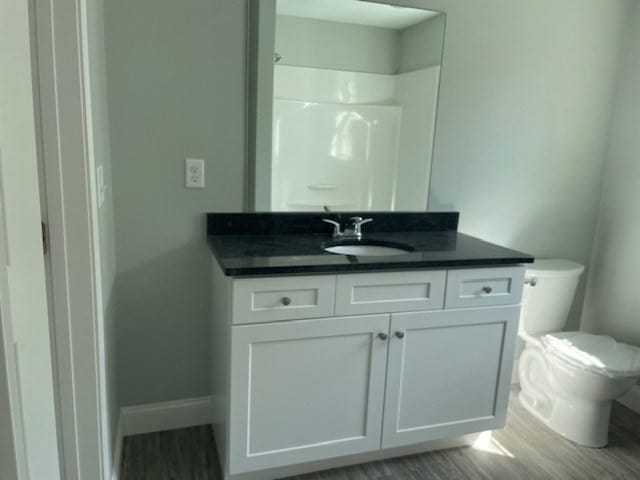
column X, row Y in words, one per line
column 568, row 379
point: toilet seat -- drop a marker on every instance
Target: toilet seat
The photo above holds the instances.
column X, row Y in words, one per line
column 598, row 354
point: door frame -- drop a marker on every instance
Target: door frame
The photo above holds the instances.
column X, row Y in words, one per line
column 69, row 195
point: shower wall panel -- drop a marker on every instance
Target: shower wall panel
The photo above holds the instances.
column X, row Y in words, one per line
column 335, row 140
column 344, row 156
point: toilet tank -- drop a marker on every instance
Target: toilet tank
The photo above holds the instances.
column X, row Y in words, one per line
column 550, row 285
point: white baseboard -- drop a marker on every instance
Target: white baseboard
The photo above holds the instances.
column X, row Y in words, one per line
column 156, row 417
column 117, row 452
column 632, row 399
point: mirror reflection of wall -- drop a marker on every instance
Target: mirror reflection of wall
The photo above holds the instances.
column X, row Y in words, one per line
column 352, row 106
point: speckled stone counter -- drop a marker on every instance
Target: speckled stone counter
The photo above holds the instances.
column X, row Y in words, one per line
column 254, row 244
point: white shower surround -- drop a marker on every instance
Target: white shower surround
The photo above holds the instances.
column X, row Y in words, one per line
column 346, row 140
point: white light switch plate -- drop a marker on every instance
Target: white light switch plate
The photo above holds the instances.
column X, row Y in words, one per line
column 194, row 173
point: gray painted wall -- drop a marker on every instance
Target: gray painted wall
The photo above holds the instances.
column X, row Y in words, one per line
column 306, row 42
column 176, row 90
column 525, row 106
column 612, row 304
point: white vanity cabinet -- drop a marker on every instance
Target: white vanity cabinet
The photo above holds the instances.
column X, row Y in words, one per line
column 371, row 365
column 306, row 390
column 448, row 374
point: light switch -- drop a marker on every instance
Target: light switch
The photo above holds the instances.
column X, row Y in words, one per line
column 194, row 173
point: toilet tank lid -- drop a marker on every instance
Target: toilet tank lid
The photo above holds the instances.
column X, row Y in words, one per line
column 553, row 267
column 596, row 353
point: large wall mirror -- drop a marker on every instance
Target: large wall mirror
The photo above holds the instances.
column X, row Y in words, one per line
column 343, row 97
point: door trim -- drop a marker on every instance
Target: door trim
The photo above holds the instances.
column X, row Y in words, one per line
column 70, row 197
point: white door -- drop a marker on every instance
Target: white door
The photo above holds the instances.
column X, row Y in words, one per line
column 29, row 348
column 449, row 373
column 306, row 390
column 11, row 466
column 8, row 443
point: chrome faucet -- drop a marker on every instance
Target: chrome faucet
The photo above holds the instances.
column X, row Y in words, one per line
column 356, row 227
column 354, row 231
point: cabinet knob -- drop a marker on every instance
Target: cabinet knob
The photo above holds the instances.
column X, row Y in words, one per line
column 400, row 334
column 286, row 301
column 383, row 336
column 487, row 289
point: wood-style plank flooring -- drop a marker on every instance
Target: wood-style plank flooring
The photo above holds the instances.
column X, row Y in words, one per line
column 525, row 449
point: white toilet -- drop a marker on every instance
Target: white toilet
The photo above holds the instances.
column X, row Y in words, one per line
column 568, row 379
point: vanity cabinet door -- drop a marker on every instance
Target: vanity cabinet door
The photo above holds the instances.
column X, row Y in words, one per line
column 306, row 390
column 448, row 373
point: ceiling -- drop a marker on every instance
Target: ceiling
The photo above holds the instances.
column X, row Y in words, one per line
column 355, row 11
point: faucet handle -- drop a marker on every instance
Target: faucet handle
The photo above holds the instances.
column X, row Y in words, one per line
column 357, row 221
column 336, row 227
column 355, row 227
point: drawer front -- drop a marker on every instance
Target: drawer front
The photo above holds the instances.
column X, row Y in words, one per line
column 480, row 287
column 272, row 299
column 390, row 292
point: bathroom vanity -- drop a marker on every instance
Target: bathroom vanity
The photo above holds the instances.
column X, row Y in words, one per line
column 323, row 360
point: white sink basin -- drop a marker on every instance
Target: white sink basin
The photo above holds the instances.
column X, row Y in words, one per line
column 366, row 250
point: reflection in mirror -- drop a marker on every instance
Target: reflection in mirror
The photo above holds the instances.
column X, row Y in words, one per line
column 342, row 105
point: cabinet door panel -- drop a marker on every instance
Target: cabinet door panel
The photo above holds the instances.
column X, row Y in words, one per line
column 306, row 390
column 449, row 374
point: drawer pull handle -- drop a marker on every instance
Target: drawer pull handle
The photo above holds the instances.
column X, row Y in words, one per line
column 400, row 334
column 487, row 289
column 383, row 336
column 286, row 301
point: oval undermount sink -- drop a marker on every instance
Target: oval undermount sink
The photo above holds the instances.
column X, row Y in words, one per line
column 366, row 250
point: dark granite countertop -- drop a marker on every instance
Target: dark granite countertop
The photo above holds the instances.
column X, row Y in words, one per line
column 432, row 238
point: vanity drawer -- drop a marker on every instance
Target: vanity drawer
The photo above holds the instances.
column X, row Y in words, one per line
column 390, row 292
column 258, row 300
column 479, row 287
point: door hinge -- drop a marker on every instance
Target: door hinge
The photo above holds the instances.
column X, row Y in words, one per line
column 45, row 238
